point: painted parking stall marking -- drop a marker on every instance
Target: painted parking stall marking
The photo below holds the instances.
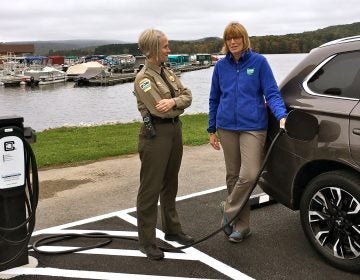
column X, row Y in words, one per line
column 188, row 254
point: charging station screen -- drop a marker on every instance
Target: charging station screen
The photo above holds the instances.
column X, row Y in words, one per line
column 12, row 162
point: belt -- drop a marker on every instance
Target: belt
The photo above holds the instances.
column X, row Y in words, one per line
column 156, row 119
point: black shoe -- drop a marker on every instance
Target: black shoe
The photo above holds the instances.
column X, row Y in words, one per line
column 181, row 238
column 152, row 252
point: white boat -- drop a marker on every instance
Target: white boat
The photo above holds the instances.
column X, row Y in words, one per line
column 9, row 80
column 83, row 72
column 86, row 70
column 45, row 76
column 12, row 70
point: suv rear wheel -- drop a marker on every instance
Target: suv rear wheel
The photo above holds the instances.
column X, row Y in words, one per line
column 330, row 217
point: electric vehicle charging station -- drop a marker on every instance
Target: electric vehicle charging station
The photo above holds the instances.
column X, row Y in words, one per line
column 18, row 191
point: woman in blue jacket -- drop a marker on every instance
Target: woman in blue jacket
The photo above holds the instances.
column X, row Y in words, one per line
column 243, row 85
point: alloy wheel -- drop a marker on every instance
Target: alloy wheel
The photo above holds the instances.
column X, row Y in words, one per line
column 334, row 218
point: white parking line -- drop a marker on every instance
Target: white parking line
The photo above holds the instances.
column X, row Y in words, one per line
column 189, row 253
column 110, row 215
column 83, row 274
column 196, row 254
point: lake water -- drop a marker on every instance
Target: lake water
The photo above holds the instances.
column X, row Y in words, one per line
column 50, row 106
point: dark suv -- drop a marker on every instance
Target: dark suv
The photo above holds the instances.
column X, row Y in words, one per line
column 321, row 177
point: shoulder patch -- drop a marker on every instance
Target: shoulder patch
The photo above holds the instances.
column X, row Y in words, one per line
column 145, row 84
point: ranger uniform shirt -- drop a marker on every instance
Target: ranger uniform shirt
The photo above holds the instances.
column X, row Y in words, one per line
column 150, row 88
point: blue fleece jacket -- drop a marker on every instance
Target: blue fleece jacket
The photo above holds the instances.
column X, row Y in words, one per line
column 240, row 92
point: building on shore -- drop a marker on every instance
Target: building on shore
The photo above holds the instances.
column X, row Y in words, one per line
column 178, row 60
column 14, row 50
column 17, row 49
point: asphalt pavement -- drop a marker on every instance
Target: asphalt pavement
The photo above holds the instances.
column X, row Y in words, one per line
column 100, row 197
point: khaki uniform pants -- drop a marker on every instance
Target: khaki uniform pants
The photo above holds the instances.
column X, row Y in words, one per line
column 160, row 164
column 243, row 153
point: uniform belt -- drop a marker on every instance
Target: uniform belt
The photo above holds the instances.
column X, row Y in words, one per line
column 156, row 119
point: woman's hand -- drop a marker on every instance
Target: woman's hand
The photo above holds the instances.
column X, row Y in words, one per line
column 214, row 142
column 165, row 105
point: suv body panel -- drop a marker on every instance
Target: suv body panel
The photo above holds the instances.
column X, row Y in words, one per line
column 354, row 132
column 337, row 145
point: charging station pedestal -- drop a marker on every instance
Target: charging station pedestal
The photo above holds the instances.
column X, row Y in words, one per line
column 13, row 210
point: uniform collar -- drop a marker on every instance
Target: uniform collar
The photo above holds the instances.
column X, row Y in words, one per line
column 153, row 67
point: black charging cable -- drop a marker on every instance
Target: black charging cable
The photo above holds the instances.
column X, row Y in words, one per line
column 279, row 133
column 60, row 237
column 31, row 201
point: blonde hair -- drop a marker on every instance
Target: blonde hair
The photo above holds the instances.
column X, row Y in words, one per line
column 235, row 30
column 149, row 42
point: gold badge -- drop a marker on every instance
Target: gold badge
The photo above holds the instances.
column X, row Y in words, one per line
column 172, row 78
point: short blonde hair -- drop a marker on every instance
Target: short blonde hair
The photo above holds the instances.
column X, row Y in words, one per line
column 235, row 30
column 149, row 42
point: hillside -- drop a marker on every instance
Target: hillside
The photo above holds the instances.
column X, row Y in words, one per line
column 49, row 47
column 305, row 41
column 289, row 43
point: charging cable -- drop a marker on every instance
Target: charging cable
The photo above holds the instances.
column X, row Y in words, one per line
column 55, row 238
column 31, row 201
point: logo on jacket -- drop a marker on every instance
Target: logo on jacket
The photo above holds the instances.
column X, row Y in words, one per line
column 145, row 84
column 250, row 71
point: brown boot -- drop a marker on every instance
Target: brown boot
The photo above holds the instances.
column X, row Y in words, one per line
column 152, row 252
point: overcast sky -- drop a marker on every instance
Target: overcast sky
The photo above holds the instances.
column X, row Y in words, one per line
column 31, row 20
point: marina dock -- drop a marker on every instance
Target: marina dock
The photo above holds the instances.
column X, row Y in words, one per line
column 90, row 70
column 192, row 67
column 115, row 78
column 120, row 78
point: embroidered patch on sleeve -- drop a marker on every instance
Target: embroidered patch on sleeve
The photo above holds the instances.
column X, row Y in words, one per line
column 145, row 84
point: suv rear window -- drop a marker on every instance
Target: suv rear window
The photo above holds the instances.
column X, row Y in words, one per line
column 340, row 76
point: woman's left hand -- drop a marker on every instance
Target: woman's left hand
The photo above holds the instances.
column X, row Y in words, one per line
column 214, row 141
column 165, row 105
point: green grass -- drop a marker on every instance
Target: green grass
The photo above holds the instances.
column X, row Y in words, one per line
column 75, row 145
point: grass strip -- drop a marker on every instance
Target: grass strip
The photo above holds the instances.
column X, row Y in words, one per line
column 77, row 145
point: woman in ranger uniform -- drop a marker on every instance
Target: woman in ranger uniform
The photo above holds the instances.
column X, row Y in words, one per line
column 161, row 98
column 242, row 85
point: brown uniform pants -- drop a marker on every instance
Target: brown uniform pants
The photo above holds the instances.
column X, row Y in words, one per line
column 243, row 153
column 160, row 164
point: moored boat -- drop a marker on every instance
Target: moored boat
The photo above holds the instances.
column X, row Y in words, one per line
column 44, row 76
column 10, row 81
column 82, row 73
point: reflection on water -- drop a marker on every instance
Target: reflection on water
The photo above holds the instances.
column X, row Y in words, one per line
column 49, row 106
column 63, row 104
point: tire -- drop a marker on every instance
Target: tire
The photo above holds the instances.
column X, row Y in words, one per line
column 330, row 217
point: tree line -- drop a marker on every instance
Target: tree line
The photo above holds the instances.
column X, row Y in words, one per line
column 271, row 44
